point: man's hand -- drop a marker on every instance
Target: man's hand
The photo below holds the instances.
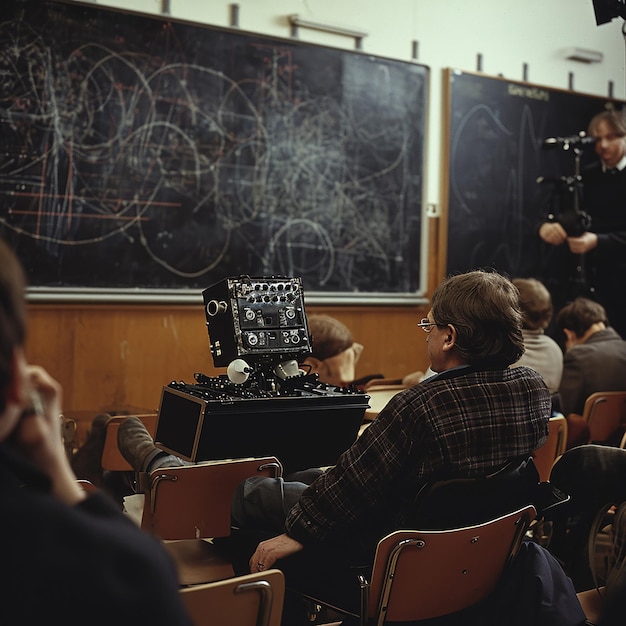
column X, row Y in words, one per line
column 584, row 243
column 269, row 551
column 38, row 434
column 552, row 233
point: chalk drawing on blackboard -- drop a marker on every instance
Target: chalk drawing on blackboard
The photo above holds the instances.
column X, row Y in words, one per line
column 145, row 153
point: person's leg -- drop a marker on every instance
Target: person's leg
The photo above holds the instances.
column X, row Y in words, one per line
column 259, row 509
column 262, row 503
column 137, row 447
column 87, row 460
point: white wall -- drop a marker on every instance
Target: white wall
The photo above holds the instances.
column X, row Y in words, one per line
column 450, row 33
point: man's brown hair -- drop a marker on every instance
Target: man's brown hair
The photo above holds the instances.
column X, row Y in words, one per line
column 579, row 315
column 535, row 302
column 484, row 309
column 329, row 336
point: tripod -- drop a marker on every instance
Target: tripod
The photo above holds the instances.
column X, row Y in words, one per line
column 567, row 211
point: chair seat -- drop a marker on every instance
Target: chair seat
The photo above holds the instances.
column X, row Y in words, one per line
column 592, row 602
column 197, row 561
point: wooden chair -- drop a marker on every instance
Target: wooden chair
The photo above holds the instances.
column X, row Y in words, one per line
column 592, row 603
column 188, row 506
column 419, row 575
column 112, row 459
column 553, row 448
column 251, row 600
column 605, row 414
column 87, row 485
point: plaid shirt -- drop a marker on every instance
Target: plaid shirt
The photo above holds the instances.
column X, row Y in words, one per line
column 462, row 422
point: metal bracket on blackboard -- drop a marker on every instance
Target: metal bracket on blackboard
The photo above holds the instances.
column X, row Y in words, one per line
column 433, row 210
column 348, row 31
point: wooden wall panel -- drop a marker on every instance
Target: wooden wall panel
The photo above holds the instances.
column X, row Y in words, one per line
column 117, row 357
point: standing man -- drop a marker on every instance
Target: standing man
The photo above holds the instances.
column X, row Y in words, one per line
column 602, row 245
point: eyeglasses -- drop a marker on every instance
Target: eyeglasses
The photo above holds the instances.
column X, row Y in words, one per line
column 426, row 325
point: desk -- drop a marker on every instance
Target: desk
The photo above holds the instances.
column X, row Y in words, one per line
column 379, row 397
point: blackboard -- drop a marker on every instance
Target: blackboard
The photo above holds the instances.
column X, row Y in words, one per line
column 496, row 132
column 146, row 153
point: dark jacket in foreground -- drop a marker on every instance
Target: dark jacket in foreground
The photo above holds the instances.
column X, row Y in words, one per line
column 79, row 565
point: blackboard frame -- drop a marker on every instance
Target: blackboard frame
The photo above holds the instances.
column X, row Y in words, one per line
column 382, row 262
column 495, row 152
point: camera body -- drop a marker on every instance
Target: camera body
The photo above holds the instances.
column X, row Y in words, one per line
column 575, row 223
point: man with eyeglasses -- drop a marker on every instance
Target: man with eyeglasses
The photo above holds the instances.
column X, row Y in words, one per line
column 470, row 419
column 601, row 246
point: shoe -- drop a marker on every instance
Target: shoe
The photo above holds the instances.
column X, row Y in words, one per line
column 87, row 460
column 136, row 444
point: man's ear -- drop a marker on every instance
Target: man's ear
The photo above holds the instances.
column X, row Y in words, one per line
column 313, row 363
column 450, row 339
column 570, row 336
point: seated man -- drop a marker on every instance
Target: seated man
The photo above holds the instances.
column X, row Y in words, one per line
column 541, row 352
column 469, row 420
column 595, row 360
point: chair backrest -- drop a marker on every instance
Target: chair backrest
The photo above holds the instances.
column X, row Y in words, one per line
column 87, row 485
column 419, row 575
column 250, row 600
column 553, row 448
column 605, row 414
column 194, row 501
column 458, row 502
column 112, row 458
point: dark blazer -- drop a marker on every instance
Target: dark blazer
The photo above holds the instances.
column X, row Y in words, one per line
column 87, row 564
column 599, row 364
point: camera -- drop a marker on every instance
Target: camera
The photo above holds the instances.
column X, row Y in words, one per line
column 575, row 223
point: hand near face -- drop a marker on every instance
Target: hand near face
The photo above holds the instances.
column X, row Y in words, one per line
column 37, row 434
